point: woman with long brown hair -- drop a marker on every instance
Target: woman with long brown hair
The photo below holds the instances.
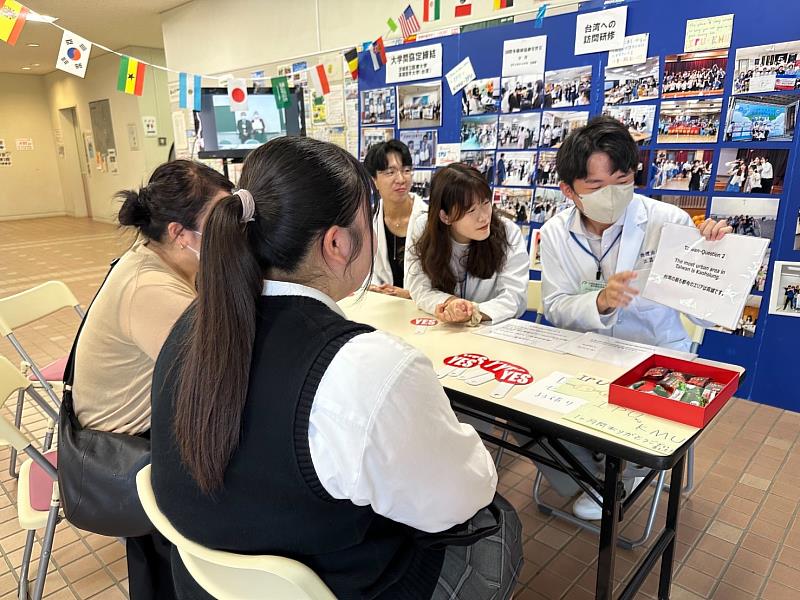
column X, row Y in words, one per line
column 280, row 427
column 466, row 263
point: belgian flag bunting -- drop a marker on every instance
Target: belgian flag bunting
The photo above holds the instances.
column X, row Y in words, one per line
column 131, row 76
column 351, row 56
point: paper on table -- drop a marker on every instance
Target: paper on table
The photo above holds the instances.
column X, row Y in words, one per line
column 563, row 393
column 658, row 435
column 708, row 280
column 529, row 334
column 622, row 353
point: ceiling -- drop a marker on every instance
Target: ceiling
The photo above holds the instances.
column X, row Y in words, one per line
column 113, row 23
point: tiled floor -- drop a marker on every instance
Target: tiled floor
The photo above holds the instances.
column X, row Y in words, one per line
column 739, row 536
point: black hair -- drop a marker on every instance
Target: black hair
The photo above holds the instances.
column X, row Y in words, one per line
column 601, row 134
column 301, row 188
column 377, row 156
column 177, row 192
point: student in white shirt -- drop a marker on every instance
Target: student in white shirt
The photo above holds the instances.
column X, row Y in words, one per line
column 593, row 254
column 362, row 445
column 390, row 166
column 465, row 263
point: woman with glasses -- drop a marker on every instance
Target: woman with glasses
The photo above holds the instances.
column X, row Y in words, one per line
column 466, row 263
column 390, row 166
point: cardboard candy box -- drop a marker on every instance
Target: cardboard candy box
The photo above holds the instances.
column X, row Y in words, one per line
column 621, row 394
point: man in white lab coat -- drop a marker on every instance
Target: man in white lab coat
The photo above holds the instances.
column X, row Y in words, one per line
column 596, row 255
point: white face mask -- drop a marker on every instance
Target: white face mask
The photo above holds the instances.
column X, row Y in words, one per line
column 188, row 247
column 607, row 204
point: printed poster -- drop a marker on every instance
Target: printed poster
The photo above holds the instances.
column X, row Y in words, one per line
column 601, row 31
column 460, row 75
column 708, row 280
column 525, row 56
column 422, row 62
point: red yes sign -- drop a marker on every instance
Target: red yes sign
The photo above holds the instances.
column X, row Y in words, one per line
column 465, row 360
column 423, row 322
column 505, row 372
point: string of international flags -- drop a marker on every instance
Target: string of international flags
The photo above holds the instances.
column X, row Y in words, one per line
column 74, row 53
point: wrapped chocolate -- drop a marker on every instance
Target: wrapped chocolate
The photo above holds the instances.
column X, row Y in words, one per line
column 693, row 395
column 711, row 390
column 656, row 373
column 674, row 382
column 699, row 381
column 643, row 386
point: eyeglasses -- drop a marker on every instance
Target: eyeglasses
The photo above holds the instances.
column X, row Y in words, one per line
column 390, row 173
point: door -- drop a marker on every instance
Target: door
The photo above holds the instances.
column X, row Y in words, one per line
column 75, row 173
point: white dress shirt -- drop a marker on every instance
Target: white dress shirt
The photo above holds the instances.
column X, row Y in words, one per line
column 766, row 170
column 382, row 433
column 500, row 297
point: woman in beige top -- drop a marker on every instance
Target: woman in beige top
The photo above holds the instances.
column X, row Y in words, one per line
column 146, row 292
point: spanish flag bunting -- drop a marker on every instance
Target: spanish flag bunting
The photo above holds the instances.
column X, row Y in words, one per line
column 131, row 76
column 12, row 20
column 351, row 56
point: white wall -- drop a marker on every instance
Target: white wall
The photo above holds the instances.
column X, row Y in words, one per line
column 30, row 188
column 64, row 91
column 207, row 37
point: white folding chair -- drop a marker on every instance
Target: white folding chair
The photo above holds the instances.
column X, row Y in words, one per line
column 22, row 309
column 229, row 576
column 38, row 503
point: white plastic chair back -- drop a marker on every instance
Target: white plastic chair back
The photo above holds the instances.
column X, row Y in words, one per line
column 229, row 576
column 34, row 304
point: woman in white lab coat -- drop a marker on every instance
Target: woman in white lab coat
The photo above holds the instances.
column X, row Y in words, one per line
column 390, row 166
column 465, row 263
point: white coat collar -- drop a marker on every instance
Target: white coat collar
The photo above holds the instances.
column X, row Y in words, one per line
column 634, row 229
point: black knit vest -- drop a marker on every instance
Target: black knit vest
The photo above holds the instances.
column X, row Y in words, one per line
column 273, row 501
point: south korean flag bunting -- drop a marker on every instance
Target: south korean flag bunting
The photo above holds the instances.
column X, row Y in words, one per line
column 73, row 57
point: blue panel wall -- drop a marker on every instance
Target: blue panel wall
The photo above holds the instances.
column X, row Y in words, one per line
column 769, row 355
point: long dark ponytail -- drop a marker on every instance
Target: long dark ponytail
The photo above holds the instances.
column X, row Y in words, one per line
column 301, row 188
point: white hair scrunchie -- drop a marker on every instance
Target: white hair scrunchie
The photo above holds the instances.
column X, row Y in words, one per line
column 248, row 205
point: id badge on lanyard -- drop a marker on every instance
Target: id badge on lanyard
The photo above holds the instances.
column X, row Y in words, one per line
column 592, row 286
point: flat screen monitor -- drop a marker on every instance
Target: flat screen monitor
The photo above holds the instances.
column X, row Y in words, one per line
column 224, row 133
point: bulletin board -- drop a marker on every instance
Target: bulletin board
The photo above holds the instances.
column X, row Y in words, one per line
column 688, row 122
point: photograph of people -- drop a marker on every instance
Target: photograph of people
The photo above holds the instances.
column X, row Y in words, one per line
column 592, row 252
column 374, row 135
column 568, row 87
column 536, row 253
column 694, row 206
column 769, row 68
column 748, row 321
column 633, row 83
column 419, row 105
column 481, row 160
column 695, row 74
column 547, row 204
column 466, row 263
column 479, row 133
column 546, row 172
column 378, row 107
column 785, row 297
column 513, row 203
column 557, row 125
column 638, row 119
column 518, row 132
column 641, row 177
column 761, row 277
column 751, row 171
column 422, row 145
column 686, row 170
column 515, row 168
column 244, row 125
column 524, row 92
column 689, row 121
column 747, row 216
column 762, row 118
column 481, row 96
